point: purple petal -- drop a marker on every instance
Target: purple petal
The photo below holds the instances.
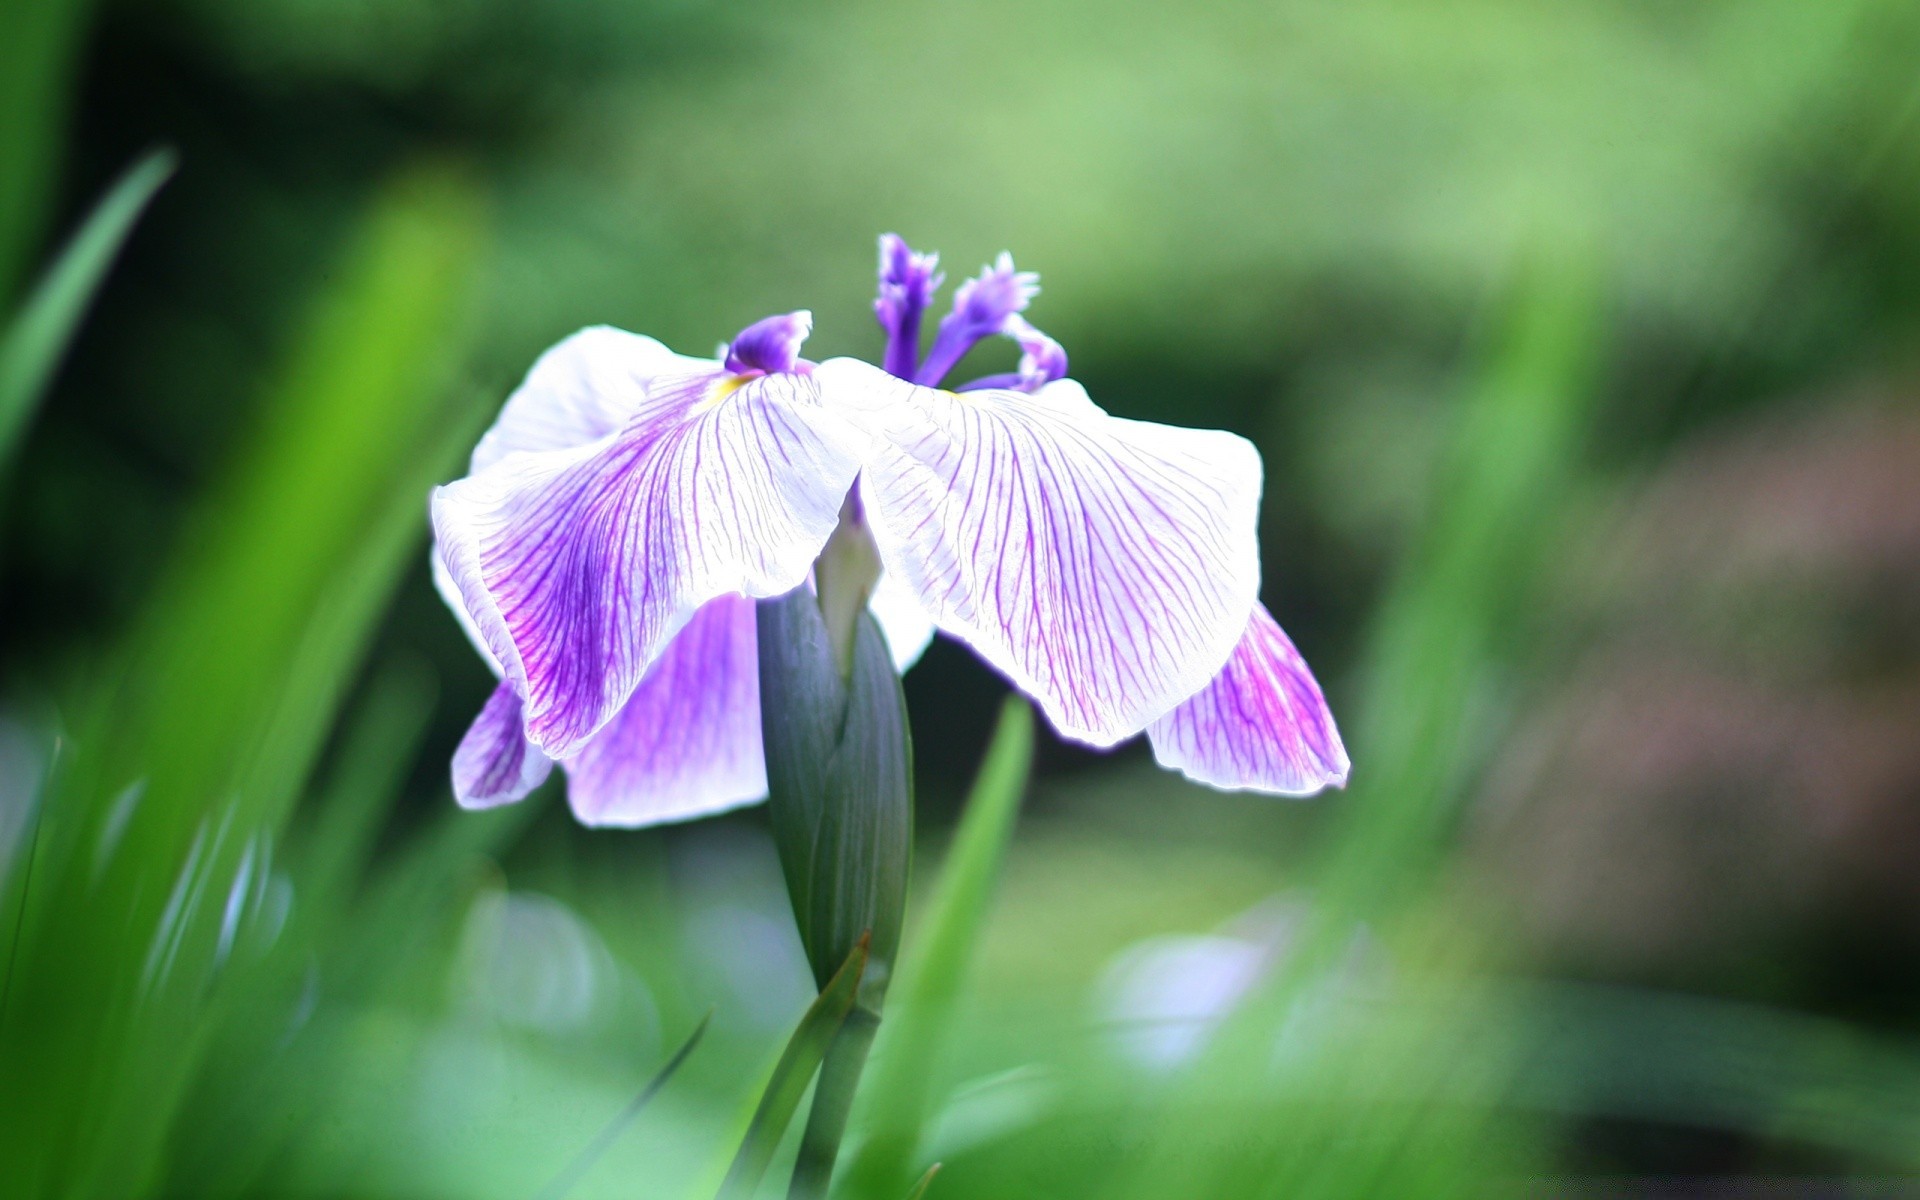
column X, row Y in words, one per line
column 907, row 283
column 495, row 764
column 771, row 345
column 688, row 741
column 579, row 391
column 1042, row 360
column 1106, row 566
column 577, row 566
column 1261, row 725
column 982, row 308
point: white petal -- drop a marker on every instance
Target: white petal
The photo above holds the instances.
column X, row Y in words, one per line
column 577, row 566
column 1261, row 725
column 687, row 743
column 450, row 592
column 1106, row 566
column 908, row 628
column 579, row 391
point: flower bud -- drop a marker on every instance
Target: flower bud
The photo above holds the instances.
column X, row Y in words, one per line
column 840, row 784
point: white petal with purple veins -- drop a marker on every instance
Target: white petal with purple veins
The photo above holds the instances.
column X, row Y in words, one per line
column 577, row 566
column 1106, row 566
column 495, row 764
column 1261, row 725
column 687, row 743
column 580, row 391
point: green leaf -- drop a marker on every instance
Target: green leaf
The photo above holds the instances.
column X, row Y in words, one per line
column 791, row 1075
column 934, row 966
column 38, row 337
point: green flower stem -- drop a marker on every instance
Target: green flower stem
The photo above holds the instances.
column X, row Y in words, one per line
column 832, row 1100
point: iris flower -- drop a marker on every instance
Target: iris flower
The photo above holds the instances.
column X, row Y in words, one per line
column 628, row 505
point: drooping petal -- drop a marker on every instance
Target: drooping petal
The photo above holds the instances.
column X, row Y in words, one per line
column 577, row 566
column 1106, row 566
column 495, row 764
column 687, row 742
column 903, row 621
column 579, row 391
column 1261, row 725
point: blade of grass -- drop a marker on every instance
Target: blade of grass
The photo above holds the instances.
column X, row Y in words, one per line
column 919, row 1191
column 274, row 593
column 791, row 1075
column 1431, row 656
column 576, row 1170
column 934, row 966
column 38, row 337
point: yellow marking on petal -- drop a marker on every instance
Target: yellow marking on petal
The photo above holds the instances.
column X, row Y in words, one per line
column 725, row 386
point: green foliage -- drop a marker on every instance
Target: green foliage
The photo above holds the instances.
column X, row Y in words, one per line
column 168, row 801
column 806, row 1049
column 931, row 975
column 32, row 344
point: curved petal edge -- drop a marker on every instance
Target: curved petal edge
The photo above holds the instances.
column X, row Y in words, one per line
column 495, row 764
column 1261, row 725
column 687, row 742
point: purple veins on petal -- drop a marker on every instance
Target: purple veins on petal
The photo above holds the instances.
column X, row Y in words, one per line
column 1106, row 566
column 687, row 742
column 577, row 566
column 770, row 345
column 1260, row 725
column 495, row 764
column 982, row 307
column 907, row 283
column 582, row 389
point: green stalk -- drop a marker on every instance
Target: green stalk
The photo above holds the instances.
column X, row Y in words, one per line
column 832, row 1101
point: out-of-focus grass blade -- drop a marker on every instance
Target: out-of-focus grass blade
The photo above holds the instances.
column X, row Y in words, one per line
column 791, row 1075
column 1509, row 465
column 919, row 1191
column 934, row 965
column 38, row 336
column 40, row 42
column 1430, row 660
column 212, row 715
column 576, row 1170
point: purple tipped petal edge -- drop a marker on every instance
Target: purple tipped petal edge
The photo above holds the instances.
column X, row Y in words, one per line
column 1261, row 725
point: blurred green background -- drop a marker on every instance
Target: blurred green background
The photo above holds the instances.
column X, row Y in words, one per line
column 1579, row 340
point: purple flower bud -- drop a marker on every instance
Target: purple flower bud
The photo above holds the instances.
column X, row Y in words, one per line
column 770, row 346
column 908, row 281
column 982, row 307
